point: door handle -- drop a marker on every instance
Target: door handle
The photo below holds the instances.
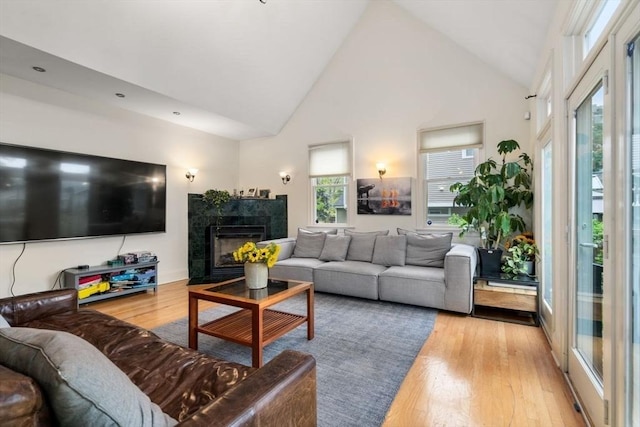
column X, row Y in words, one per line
column 589, row 245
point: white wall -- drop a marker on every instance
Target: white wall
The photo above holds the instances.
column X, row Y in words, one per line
column 38, row 116
column 392, row 76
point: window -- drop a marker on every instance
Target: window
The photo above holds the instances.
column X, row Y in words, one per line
column 468, row 153
column 329, row 171
column 585, row 29
column 547, row 226
column 447, row 155
column 543, row 103
column 599, row 22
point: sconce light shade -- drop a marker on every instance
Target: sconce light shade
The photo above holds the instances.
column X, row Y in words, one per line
column 191, row 174
column 382, row 169
column 285, row 177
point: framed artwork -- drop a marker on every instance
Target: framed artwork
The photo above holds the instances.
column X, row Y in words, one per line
column 251, row 192
column 264, row 194
column 389, row 196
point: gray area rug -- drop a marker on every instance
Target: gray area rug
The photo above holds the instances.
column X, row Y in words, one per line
column 363, row 350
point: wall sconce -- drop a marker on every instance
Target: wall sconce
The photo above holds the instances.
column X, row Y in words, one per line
column 191, row 174
column 285, row 177
column 382, row 169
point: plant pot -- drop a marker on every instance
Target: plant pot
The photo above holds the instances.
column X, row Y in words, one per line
column 530, row 268
column 490, row 261
column 256, row 275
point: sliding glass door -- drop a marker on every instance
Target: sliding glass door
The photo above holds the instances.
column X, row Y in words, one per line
column 589, row 104
column 633, row 293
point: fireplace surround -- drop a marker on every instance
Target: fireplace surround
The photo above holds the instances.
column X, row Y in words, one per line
column 212, row 237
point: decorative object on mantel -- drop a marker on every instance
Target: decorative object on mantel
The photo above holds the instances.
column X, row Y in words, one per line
column 257, row 262
column 491, row 195
column 523, row 251
column 217, row 198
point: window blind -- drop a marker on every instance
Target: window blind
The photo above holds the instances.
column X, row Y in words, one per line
column 468, row 136
column 333, row 159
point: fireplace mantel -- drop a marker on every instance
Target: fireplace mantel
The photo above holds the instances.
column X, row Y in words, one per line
column 271, row 213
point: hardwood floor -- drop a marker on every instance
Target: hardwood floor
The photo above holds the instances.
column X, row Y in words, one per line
column 470, row 372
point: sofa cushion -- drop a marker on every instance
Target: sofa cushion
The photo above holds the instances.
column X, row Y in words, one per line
column 362, row 244
column 295, row 269
column 335, row 248
column 180, row 380
column 423, row 286
column 352, row 278
column 309, row 245
column 83, row 386
column 427, row 250
column 390, row 250
column 328, row 231
column 402, row 231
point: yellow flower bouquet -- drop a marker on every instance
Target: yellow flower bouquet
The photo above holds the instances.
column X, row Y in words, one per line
column 249, row 252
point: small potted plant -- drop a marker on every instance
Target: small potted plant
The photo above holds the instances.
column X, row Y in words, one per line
column 492, row 195
column 217, row 198
column 523, row 252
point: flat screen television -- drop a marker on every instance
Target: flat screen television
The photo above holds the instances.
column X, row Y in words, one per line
column 47, row 194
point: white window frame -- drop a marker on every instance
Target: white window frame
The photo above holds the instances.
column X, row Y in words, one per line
column 585, row 15
column 439, row 146
column 330, row 160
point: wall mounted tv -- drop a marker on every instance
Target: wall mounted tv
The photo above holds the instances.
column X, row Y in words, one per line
column 47, row 194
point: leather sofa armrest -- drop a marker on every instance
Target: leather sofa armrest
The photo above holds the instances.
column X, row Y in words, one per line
column 21, row 400
column 459, row 270
column 287, row 245
column 281, row 393
column 25, row 308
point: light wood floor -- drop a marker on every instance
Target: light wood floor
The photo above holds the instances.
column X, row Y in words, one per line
column 470, row 372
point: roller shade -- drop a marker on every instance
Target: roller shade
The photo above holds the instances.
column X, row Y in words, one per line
column 468, row 136
column 332, row 159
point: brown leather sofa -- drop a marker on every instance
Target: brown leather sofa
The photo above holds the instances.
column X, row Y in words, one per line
column 191, row 387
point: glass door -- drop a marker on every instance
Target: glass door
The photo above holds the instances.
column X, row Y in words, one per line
column 632, row 369
column 589, row 104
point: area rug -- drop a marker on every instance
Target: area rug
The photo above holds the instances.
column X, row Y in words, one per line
column 363, row 350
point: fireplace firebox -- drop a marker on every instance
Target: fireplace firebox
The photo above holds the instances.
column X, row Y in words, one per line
column 222, row 241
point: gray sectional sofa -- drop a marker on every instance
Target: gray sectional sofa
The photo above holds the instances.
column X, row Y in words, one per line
column 412, row 267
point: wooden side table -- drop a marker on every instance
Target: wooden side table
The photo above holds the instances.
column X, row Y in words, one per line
column 507, row 298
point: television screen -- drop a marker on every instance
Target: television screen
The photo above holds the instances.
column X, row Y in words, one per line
column 47, row 194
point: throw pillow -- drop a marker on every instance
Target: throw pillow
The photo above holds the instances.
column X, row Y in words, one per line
column 4, row 323
column 362, row 243
column 335, row 248
column 390, row 250
column 428, row 250
column 329, row 231
column 83, row 387
column 309, row 245
column 402, row 231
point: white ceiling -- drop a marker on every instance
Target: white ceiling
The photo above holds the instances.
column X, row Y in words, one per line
column 234, row 68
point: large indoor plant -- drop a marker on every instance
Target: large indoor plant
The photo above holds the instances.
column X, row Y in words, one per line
column 492, row 196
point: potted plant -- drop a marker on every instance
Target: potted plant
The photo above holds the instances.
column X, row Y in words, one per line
column 523, row 252
column 217, row 198
column 492, row 195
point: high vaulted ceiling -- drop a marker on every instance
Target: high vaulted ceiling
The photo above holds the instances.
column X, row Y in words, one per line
column 234, row 68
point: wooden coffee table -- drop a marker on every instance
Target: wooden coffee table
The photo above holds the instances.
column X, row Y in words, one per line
column 255, row 325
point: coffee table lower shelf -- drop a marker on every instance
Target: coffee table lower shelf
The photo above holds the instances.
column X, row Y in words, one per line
column 237, row 327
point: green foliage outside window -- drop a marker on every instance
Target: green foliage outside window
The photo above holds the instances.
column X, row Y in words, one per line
column 598, row 232
column 330, row 194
